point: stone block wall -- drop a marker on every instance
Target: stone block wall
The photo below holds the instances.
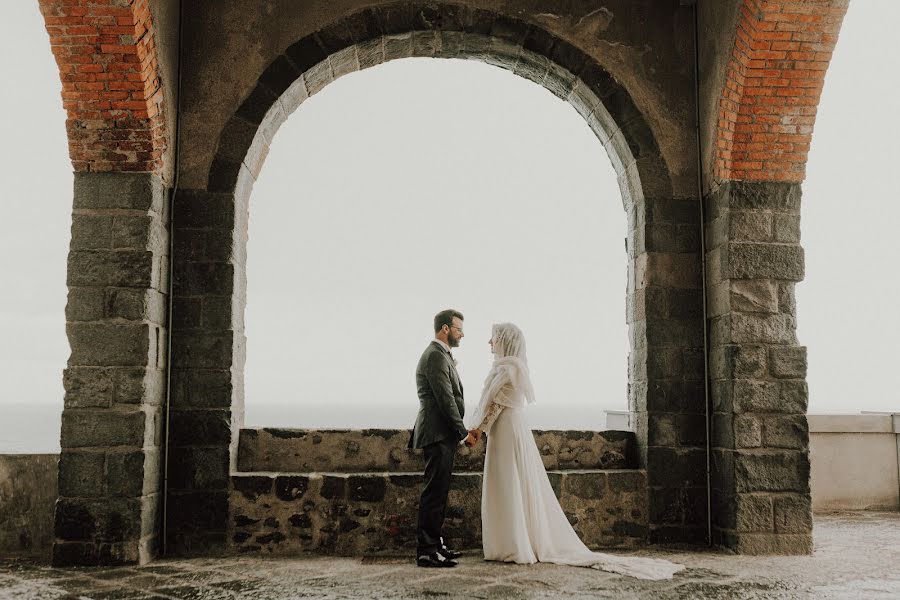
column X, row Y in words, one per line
column 384, row 450
column 112, row 421
column 375, row 513
column 28, row 488
column 208, row 353
column 353, row 492
column 666, row 365
column 760, row 476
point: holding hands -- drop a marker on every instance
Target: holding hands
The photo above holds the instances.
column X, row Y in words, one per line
column 473, row 437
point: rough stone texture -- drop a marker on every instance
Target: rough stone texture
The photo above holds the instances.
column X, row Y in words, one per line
column 28, row 489
column 354, row 514
column 856, row 557
column 111, row 437
column 206, row 403
column 760, row 475
column 308, row 450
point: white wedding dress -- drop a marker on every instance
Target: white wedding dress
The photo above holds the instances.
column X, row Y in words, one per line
column 521, row 518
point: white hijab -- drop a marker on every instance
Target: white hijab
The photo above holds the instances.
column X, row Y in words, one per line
column 509, row 381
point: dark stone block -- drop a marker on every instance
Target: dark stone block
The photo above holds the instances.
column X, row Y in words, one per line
column 120, row 268
column 125, row 472
column 203, row 350
column 199, row 468
column 241, row 536
column 252, row 486
column 280, row 75
column 201, row 278
column 306, row 53
column 569, row 57
column 272, row 523
column 291, row 487
column 196, row 514
column 301, row 520
column 479, row 21
column 396, row 19
column 201, row 210
column 405, row 481
column 455, row 18
column 81, row 474
column 237, row 137
column 761, row 195
column 137, row 191
column 244, row 521
column 510, row 30
column 539, row 41
column 82, row 429
column 630, row 529
column 271, row 538
column 223, row 174
column 201, row 388
column 362, row 512
column 202, row 427
column 75, row 554
column 333, row 487
column 257, row 103
column 335, row 37
column 627, row 481
column 348, row 525
column 555, row 478
column 367, row 489
column 598, row 80
column 363, row 26
column 74, row 520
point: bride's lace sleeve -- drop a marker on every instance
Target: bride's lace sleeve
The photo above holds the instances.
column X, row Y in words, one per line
column 490, row 416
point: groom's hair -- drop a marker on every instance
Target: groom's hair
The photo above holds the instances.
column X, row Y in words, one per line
column 445, row 317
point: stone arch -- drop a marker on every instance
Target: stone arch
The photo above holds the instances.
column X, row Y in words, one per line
column 664, row 296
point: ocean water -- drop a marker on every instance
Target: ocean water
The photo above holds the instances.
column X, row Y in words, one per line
column 33, row 428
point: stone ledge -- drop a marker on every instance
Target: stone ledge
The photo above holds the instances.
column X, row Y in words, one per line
column 352, row 514
column 371, row 450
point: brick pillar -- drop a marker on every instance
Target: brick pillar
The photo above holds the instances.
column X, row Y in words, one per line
column 666, row 385
column 109, row 475
column 760, row 484
column 208, row 354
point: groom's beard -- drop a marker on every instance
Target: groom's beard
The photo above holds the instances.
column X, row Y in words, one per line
column 452, row 341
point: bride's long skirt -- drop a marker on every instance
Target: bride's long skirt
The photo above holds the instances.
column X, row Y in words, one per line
column 521, row 518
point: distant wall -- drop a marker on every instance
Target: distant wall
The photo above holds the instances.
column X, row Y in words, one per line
column 28, row 492
column 854, row 462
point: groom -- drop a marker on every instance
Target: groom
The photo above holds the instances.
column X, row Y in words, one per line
column 438, row 430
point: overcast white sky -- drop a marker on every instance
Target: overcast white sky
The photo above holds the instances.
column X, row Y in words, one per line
column 422, row 184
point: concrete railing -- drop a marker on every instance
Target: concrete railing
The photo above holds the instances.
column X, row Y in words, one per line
column 855, row 461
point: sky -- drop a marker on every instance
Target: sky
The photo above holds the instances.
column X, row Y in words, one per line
column 423, row 184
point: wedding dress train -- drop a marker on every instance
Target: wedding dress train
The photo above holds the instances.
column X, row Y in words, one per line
column 521, row 519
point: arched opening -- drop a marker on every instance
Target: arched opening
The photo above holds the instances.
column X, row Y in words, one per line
column 663, row 302
column 416, row 184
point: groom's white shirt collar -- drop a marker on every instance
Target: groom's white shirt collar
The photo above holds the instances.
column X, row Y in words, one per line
column 445, row 346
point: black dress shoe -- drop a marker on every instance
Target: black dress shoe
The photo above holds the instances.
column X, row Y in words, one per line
column 449, row 554
column 435, row 560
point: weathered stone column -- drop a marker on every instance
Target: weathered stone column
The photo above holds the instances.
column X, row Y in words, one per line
column 109, row 475
column 665, row 376
column 760, row 485
column 208, row 355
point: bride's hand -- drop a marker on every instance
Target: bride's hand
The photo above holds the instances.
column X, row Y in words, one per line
column 470, row 440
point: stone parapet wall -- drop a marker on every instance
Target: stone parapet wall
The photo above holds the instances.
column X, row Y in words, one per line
column 353, row 514
column 366, row 450
column 28, row 491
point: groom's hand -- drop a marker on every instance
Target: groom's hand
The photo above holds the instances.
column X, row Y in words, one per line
column 470, row 440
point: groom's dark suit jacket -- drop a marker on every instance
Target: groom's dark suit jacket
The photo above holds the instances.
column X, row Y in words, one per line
column 441, row 406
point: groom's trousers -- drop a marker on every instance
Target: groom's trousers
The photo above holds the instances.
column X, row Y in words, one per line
column 433, row 502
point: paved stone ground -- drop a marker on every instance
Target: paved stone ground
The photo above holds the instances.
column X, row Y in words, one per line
column 856, row 556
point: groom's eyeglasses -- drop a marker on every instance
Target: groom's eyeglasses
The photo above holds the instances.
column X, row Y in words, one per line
column 459, row 329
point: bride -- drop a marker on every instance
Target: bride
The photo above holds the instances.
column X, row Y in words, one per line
column 521, row 519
